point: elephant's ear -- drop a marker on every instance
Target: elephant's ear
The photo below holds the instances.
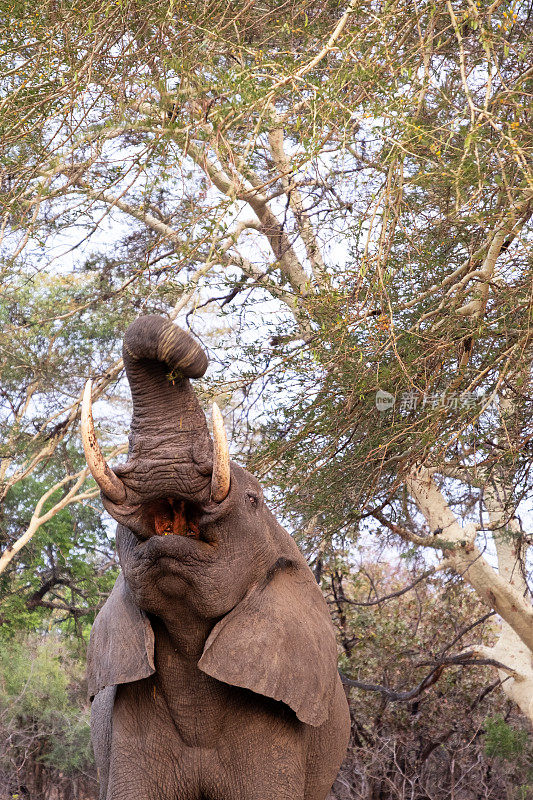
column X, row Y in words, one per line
column 279, row 642
column 121, row 647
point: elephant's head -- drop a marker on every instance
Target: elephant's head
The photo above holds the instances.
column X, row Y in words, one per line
column 198, row 546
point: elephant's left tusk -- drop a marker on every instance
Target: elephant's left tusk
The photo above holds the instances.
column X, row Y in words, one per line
column 109, row 483
column 220, row 478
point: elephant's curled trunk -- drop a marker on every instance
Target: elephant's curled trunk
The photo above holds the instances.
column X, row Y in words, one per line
column 157, row 339
column 159, row 358
column 168, row 425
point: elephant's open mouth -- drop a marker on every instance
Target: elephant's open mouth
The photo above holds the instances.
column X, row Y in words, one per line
column 171, row 516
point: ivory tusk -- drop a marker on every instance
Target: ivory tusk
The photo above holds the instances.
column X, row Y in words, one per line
column 220, row 479
column 109, row 483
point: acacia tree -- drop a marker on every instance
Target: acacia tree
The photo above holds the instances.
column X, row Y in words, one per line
column 366, row 168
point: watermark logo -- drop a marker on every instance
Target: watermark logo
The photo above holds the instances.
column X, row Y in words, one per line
column 384, row 400
column 410, row 401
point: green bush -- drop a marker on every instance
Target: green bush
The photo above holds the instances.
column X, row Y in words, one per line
column 504, row 741
column 44, row 718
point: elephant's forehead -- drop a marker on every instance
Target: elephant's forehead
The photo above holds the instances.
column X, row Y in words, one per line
column 246, row 479
column 162, row 462
column 151, row 479
column 176, row 445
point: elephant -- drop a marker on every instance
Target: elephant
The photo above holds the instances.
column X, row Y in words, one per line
column 212, row 666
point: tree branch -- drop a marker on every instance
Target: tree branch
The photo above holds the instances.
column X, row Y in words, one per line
column 392, row 595
column 429, row 680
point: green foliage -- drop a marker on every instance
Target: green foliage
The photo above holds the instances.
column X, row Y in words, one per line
column 511, row 744
column 44, row 715
column 58, row 578
column 504, row 741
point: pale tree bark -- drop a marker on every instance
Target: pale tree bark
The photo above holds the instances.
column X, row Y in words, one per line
column 501, row 586
column 290, row 188
column 74, row 495
column 511, row 549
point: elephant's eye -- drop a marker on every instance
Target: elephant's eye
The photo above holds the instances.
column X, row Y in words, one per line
column 254, row 500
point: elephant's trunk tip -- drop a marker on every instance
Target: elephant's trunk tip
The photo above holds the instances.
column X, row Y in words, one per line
column 156, row 338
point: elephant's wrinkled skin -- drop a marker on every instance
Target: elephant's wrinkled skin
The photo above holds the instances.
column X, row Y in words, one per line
column 213, row 663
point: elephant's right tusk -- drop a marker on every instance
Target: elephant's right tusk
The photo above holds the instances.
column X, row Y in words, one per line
column 220, row 479
column 109, row 483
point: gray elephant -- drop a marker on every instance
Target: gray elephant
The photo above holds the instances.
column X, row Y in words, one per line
column 213, row 663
